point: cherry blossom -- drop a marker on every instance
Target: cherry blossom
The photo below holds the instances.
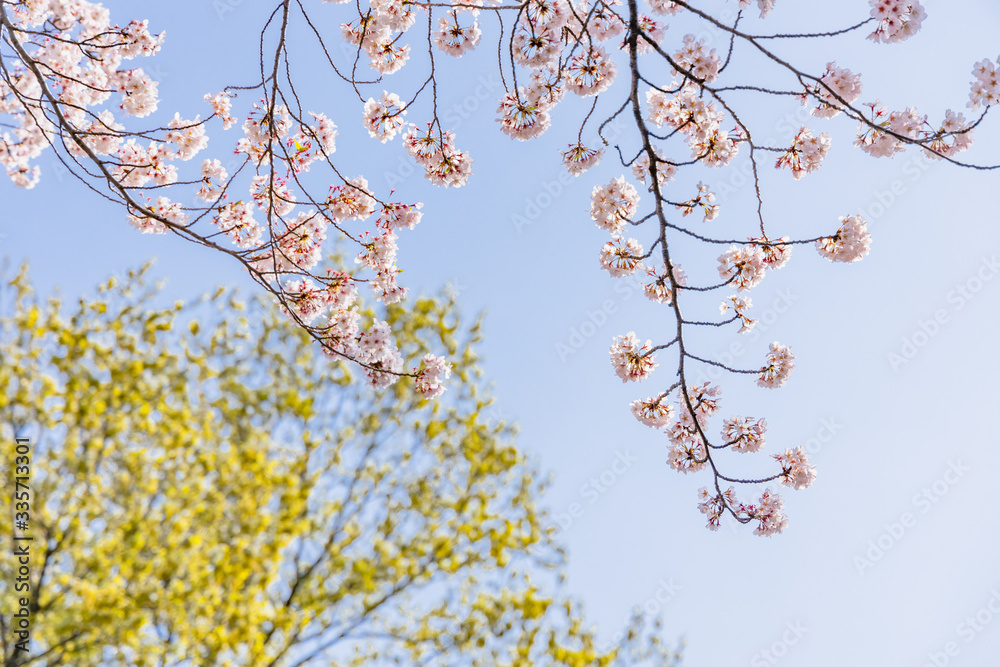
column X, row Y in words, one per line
column 621, row 257
column 384, row 117
column 654, row 412
column 436, row 152
column 163, row 208
column 742, row 265
column 306, row 299
column 431, row 376
column 536, row 46
column 236, row 219
column 806, row 153
column 613, row 205
column 522, row 117
column 780, row 362
column 714, row 506
column 221, row 106
column 739, row 306
column 986, row 87
column 835, row 81
column 351, row 200
column 72, row 83
column 776, row 253
column 395, row 15
column 897, row 19
column 744, row 434
column 704, row 200
column 632, row 361
column 849, row 244
column 660, row 288
column 696, row 58
column 454, row 39
column 664, row 7
column 795, row 469
column 768, row 513
column 665, row 171
column 590, row 73
column 579, row 158
column 765, row 6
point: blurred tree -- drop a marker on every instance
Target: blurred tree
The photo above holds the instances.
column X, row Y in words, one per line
column 234, row 497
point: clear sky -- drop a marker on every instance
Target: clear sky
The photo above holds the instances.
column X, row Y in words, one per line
column 893, row 552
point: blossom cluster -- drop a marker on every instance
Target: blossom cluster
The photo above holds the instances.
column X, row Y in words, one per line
column 780, row 362
column 986, row 86
column 612, row 206
column 661, row 288
column 740, row 306
column 744, row 434
column 765, row 6
column 795, row 469
column 687, row 452
column 687, row 112
column 434, row 150
column 744, row 266
column 836, row 82
column 631, row 359
column 655, row 412
column 886, row 133
column 81, row 64
column 767, row 512
column 580, row 158
column 898, row 20
column 431, row 376
column 279, row 229
column 849, row 244
column 806, row 153
column 621, row 256
column 84, row 62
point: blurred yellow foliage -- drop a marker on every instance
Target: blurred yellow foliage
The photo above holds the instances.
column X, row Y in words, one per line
column 230, row 496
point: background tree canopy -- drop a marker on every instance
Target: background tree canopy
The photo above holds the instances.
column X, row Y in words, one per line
column 227, row 495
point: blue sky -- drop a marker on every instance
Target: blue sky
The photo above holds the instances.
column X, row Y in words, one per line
column 893, row 549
